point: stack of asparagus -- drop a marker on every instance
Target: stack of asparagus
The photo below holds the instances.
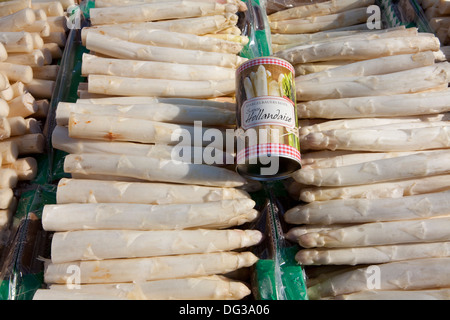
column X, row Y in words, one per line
column 375, row 182
column 151, row 226
column 437, row 13
column 28, row 71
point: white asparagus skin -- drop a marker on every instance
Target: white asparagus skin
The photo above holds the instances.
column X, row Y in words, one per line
column 196, row 288
column 26, row 168
column 166, row 38
column 321, row 8
column 111, row 244
column 198, row 26
column 379, row 140
column 155, row 268
column 153, row 69
column 17, row 41
column 17, row 72
column 413, row 295
column 156, row 112
column 133, row 216
column 98, row 191
column 394, row 189
column 123, row 86
column 117, row 128
column 409, row 81
column 377, row 106
column 200, row 155
column 406, row 275
column 421, row 164
column 373, row 255
column 123, row 49
column 10, row 7
column 380, row 233
column 6, row 198
column 314, row 24
column 377, row 66
column 18, row 20
column 370, row 210
column 358, row 49
column 152, row 169
column 158, row 11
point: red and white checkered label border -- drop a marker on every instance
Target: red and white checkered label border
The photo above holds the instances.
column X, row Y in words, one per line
column 262, row 61
column 271, row 149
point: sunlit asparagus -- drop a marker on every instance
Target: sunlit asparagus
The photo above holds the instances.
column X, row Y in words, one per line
column 380, row 233
column 152, row 169
column 408, row 275
column 111, row 244
column 415, row 165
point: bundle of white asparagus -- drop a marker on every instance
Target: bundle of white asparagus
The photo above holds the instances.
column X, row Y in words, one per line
column 374, row 185
column 177, row 215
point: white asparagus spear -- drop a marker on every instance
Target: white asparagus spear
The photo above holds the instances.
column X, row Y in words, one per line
column 196, row 288
column 404, row 275
column 38, row 42
column 393, row 189
column 384, row 140
column 60, row 38
column 135, row 51
column 377, row 106
column 8, row 178
column 65, row 3
column 47, row 72
column 313, row 67
column 409, row 81
column 122, row 86
column 10, row 7
column 152, row 169
column 17, row 41
column 32, row 143
column 319, row 23
column 405, row 167
column 51, row 8
column 373, row 123
column 166, row 38
column 62, row 141
column 301, row 38
column 17, row 21
column 98, row 191
column 295, row 233
column 40, row 27
column 3, row 53
column 58, row 23
column 370, row 210
column 17, row 72
column 153, row 69
column 18, row 88
column 111, row 244
column 4, row 82
column 151, row 100
column 5, row 128
column 9, row 151
column 116, row 128
column 22, row 106
column 6, row 216
column 32, row 59
column 54, row 49
column 359, row 49
column 380, row 233
column 156, row 112
column 6, row 198
column 377, row 66
column 156, row 268
column 413, row 295
column 132, row 216
column 373, row 255
column 26, row 168
column 318, row 9
column 198, row 26
column 158, row 11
